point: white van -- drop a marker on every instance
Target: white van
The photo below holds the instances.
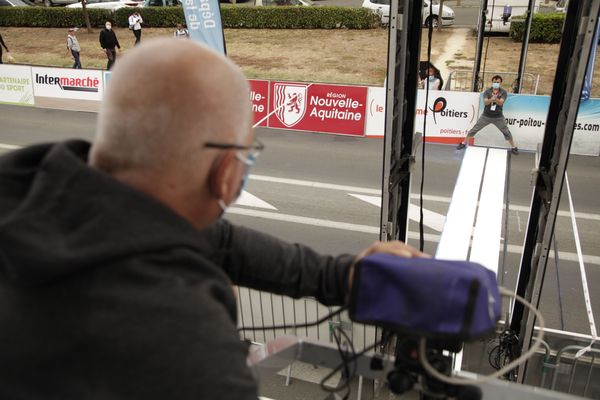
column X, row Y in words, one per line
column 500, row 14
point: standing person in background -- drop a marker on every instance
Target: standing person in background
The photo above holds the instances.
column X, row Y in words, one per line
column 135, row 24
column 493, row 101
column 109, row 43
column 434, row 77
column 73, row 47
column 181, row 32
column 2, row 44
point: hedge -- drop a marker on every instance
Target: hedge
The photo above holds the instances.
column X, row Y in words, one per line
column 276, row 17
column 545, row 28
column 50, row 17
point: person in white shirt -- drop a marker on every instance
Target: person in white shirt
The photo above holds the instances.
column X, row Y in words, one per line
column 181, row 32
column 135, row 24
column 73, row 48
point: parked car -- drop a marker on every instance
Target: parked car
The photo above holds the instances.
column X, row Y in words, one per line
column 162, row 3
column 50, row 3
column 15, row 3
column 287, row 3
column 107, row 4
column 382, row 8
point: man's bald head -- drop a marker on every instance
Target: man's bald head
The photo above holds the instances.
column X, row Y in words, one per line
column 164, row 100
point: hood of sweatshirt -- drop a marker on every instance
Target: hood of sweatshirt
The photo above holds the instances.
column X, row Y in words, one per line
column 59, row 216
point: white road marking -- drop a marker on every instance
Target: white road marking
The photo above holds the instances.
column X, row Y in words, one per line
column 319, row 185
column 377, row 192
column 511, row 248
column 304, row 220
column 371, row 191
column 373, row 200
column 431, row 219
column 6, row 146
column 250, row 200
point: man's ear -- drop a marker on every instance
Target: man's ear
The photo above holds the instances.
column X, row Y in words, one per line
column 220, row 179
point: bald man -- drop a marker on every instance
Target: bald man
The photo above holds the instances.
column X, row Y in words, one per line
column 117, row 269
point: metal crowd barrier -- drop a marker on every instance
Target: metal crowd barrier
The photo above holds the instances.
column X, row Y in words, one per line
column 258, row 309
column 461, row 80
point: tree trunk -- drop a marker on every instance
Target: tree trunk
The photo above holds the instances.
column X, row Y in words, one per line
column 86, row 16
column 441, row 12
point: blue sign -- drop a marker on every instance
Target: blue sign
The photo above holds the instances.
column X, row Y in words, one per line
column 203, row 19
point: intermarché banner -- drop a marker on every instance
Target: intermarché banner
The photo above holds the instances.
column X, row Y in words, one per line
column 16, row 86
column 62, row 83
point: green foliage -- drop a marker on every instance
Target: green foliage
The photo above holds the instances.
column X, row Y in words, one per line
column 294, row 17
column 275, row 17
column 50, row 17
column 545, row 28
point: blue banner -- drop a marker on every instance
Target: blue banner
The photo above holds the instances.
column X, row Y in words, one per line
column 203, row 19
column 587, row 83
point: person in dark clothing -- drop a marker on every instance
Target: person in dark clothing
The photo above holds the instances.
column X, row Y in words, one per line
column 110, row 44
column 117, row 268
column 432, row 75
column 2, row 44
column 493, row 101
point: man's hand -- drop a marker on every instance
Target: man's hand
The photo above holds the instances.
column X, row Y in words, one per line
column 394, row 247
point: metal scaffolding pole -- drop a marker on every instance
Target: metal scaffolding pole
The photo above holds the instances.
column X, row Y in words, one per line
column 401, row 100
column 575, row 50
column 479, row 47
column 525, row 45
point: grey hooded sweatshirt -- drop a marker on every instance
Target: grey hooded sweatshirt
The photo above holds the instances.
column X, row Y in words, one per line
column 106, row 293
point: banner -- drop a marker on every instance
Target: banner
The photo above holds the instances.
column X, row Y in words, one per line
column 203, row 19
column 526, row 118
column 586, row 139
column 318, row 107
column 375, row 112
column 79, row 84
column 15, row 85
column 259, row 97
column 449, row 115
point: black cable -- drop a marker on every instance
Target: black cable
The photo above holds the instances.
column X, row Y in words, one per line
column 294, row 326
column 345, row 364
column 345, row 361
column 487, row 44
column 429, row 40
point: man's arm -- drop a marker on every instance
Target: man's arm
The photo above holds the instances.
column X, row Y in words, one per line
column 260, row 261
column 487, row 98
column 502, row 95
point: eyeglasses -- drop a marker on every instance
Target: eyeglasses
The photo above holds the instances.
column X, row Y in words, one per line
column 254, row 150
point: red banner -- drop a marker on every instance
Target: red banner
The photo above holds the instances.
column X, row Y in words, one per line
column 259, row 96
column 318, row 108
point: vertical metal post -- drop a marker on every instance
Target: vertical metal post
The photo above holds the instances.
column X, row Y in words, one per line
column 401, row 98
column 479, row 48
column 575, row 50
column 525, row 46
